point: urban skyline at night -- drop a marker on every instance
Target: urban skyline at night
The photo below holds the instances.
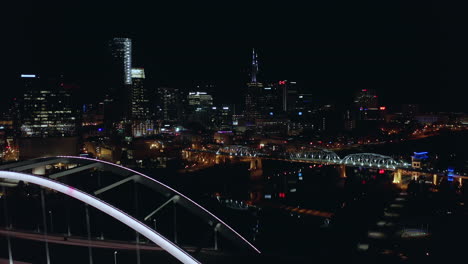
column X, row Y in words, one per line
column 143, row 132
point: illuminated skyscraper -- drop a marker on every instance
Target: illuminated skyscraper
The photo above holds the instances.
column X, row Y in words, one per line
column 139, row 97
column 254, row 67
column 121, row 49
column 139, row 105
column 254, row 91
column 120, row 79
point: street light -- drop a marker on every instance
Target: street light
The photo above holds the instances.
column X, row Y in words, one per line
column 115, row 257
column 154, row 220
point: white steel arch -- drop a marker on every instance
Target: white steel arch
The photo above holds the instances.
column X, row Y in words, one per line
column 370, row 160
column 318, row 155
column 183, row 197
column 106, row 208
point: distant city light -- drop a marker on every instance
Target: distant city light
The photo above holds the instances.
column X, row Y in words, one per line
column 197, row 93
column 138, row 73
column 300, row 113
column 28, row 76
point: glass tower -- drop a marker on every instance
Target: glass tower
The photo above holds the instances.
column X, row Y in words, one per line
column 122, row 52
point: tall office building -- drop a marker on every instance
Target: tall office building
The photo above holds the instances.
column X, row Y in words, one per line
column 200, row 107
column 47, row 108
column 121, row 49
column 289, row 95
column 118, row 92
column 139, row 96
column 140, row 106
column 171, row 103
column 254, row 91
column 270, row 104
column 366, row 98
column 222, row 117
column 367, row 102
column 48, row 118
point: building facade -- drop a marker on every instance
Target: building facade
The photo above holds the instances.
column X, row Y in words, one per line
column 121, row 49
column 47, row 108
column 140, row 105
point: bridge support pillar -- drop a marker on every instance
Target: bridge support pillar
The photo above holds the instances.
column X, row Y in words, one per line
column 256, row 164
column 342, row 170
column 256, row 168
column 397, row 176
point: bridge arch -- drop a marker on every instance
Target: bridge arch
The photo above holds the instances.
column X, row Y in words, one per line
column 370, row 160
column 106, row 208
column 318, row 155
column 131, row 175
column 239, row 151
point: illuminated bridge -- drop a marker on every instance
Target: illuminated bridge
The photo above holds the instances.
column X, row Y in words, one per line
column 318, row 155
column 101, row 186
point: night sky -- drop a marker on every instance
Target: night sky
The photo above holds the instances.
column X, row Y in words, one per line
column 409, row 52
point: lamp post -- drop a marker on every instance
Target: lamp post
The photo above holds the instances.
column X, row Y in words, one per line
column 115, row 257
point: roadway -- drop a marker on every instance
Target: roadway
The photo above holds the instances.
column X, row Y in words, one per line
column 78, row 241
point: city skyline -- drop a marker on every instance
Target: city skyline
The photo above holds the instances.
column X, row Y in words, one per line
column 146, row 131
column 231, row 82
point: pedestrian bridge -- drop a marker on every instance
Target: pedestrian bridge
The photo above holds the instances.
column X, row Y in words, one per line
column 316, row 155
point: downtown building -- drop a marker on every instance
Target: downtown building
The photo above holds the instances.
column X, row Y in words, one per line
column 170, row 108
column 48, row 122
column 140, row 109
column 369, row 115
column 252, row 110
column 118, row 93
column 200, row 106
